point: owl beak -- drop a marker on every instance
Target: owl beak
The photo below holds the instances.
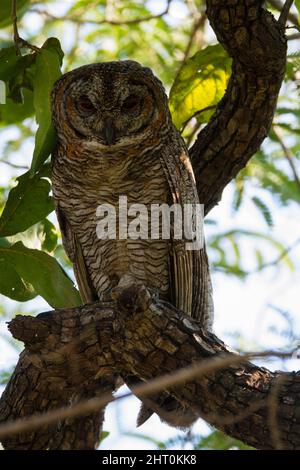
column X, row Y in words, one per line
column 109, row 132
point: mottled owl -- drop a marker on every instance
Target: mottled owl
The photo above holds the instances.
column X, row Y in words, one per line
column 116, row 138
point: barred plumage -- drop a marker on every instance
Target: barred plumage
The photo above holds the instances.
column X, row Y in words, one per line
column 115, row 138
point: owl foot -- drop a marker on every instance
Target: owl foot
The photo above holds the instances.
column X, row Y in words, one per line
column 131, row 295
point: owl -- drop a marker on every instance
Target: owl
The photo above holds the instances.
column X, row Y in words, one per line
column 116, row 138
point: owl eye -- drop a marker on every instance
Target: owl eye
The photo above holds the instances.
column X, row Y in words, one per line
column 130, row 103
column 85, row 105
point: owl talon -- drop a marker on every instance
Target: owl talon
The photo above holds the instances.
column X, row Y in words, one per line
column 131, row 296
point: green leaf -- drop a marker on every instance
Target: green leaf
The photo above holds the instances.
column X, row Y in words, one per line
column 53, row 45
column 238, row 195
column 12, row 285
column 44, row 273
column 103, row 435
column 220, row 441
column 27, row 203
column 9, row 63
column 47, row 71
column 297, row 5
column 12, row 113
column 15, row 71
column 5, row 12
column 200, row 85
column 48, row 235
column 259, row 259
column 265, row 211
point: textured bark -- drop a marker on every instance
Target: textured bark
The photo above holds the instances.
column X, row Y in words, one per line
column 54, row 370
column 257, row 45
column 71, row 351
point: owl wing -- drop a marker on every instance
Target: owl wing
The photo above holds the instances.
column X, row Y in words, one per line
column 190, row 283
column 74, row 252
column 191, row 289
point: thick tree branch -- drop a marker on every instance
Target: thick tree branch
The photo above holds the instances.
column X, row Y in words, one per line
column 257, row 45
column 72, row 352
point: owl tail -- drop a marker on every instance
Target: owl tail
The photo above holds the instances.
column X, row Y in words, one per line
column 144, row 414
column 169, row 410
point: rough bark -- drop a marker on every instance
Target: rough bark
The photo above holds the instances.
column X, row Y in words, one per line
column 71, row 351
column 53, row 372
column 257, row 45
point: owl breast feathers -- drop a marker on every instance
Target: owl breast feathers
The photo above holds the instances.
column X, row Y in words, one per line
column 116, row 138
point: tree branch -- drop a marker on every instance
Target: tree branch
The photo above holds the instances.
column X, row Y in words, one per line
column 287, row 154
column 278, row 5
column 285, row 12
column 257, row 45
column 19, row 42
column 71, row 352
column 113, row 22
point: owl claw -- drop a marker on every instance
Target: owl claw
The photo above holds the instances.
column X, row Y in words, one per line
column 131, row 296
column 144, row 414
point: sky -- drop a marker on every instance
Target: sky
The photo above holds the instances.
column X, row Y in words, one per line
column 245, row 315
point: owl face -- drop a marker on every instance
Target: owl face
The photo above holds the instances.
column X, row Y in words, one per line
column 110, row 104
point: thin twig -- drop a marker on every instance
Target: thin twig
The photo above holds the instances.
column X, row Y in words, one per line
column 193, row 133
column 284, row 15
column 269, row 264
column 277, row 4
column 287, row 154
column 72, row 53
column 293, row 37
column 164, row 382
column 19, row 42
column 198, row 24
column 13, row 165
column 112, row 22
column 197, row 113
column 278, row 259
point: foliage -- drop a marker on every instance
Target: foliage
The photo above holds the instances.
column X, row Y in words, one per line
column 5, row 13
column 200, row 85
column 47, row 71
column 216, row 440
column 220, row 441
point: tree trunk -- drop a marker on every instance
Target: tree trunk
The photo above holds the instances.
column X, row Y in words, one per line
column 257, row 45
column 71, row 351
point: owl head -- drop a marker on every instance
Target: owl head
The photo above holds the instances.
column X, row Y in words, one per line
column 109, row 104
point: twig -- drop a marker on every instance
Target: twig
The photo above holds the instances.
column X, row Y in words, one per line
column 287, row 154
column 284, row 15
column 279, row 6
column 76, row 45
column 198, row 24
column 161, row 383
column 279, row 258
column 13, row 165
column 19, row 42
column 193, row 133
column 197, row 113
column 112, row 22
column 269, row 264
column 293, row 37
